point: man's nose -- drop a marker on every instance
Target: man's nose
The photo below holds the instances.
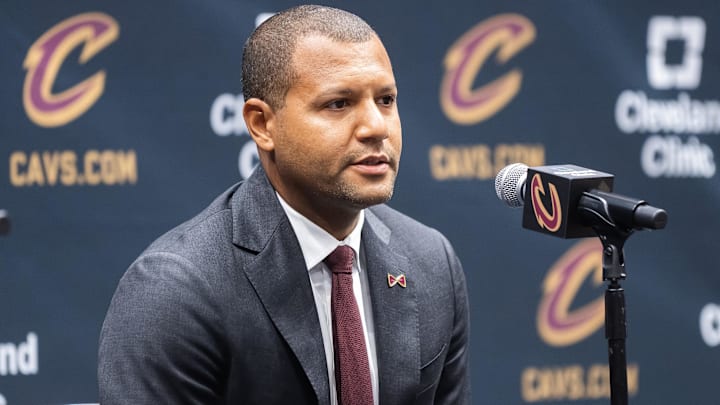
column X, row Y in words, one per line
column 372, row 122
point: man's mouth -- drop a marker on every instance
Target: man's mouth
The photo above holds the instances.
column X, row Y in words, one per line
column 375, row 164
column 372, row 160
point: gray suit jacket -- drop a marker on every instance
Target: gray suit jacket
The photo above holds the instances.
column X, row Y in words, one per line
column 220, row 311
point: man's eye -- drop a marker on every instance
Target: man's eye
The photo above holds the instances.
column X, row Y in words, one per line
column 337, row 104
column 387, row 100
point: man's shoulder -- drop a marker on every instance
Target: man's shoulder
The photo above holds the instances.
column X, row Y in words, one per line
column 210, row 226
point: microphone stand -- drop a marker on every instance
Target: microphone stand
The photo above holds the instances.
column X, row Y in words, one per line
column 613, row 239
column 613, row 231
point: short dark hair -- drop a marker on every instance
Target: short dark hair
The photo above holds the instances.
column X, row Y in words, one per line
column 267, row 71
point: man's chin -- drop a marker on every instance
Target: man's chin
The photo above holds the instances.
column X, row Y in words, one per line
column 365, row 201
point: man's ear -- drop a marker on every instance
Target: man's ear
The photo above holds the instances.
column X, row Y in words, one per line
column 259, row 119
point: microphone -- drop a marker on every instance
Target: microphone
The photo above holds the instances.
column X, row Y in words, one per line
column 4, row 222
column 568, row 201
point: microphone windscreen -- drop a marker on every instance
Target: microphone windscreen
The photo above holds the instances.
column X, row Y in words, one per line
column 509, row 184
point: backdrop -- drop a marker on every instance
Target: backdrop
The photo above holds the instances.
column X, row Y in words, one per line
column 120, row 119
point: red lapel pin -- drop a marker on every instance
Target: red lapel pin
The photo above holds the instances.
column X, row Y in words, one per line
column 399, row 280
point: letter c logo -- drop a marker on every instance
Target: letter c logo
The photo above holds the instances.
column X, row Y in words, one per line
column 560, row 320
column 504, row 36
column 548, row 220
column 92, row 31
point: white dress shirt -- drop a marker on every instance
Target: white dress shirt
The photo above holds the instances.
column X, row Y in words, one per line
column 316, row 244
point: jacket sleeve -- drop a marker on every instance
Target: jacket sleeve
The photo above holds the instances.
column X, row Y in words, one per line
column 160, row 342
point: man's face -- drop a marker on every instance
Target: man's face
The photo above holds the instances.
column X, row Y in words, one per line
column 337, row 139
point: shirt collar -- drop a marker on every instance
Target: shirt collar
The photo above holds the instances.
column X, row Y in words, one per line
column 315, row 242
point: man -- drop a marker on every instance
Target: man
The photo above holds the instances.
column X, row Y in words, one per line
column 234, row 306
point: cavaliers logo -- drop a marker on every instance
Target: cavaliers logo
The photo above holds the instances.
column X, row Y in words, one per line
column 560, row 322
column 507, row 34
column 552, row 219
column 91, row 31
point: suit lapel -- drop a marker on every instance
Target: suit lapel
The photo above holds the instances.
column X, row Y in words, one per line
column 279, row 276
column 395, row 315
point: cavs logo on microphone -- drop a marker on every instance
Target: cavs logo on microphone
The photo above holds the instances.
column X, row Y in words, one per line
column 91, row 31
column 504, row 36
column 550, row 220
column 560, row 321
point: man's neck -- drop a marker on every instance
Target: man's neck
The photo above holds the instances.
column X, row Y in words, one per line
column 337, row 229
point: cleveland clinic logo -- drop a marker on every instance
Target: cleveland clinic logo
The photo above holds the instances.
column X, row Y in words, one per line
column 672, row 118
column 503, row 36
column 560, row 321
column 91, row 31
column 662, row 31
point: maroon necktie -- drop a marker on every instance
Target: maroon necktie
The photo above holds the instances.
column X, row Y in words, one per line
column 352, row 371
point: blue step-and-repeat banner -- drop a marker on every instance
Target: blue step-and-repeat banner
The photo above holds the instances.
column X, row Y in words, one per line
column 120, row 119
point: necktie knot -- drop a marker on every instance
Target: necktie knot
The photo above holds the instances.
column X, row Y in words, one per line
column 341, row 259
